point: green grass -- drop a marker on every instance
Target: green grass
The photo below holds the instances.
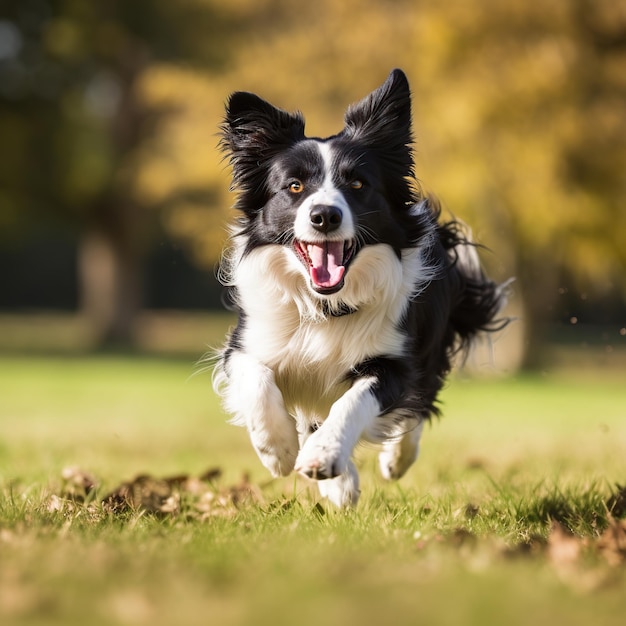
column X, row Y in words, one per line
column 460, row 540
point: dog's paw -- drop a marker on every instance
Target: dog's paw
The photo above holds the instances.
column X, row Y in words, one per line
column 320, row 458
column 342, row 491
column 277, row 451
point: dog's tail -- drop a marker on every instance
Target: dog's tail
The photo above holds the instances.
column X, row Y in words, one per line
column 479, row 300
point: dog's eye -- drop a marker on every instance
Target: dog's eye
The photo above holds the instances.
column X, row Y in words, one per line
column 356, row 184
column 296, row 186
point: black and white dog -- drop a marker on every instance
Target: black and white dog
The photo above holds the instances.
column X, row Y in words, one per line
column 352, row 297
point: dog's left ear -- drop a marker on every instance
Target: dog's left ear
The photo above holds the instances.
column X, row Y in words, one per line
column 382, row 120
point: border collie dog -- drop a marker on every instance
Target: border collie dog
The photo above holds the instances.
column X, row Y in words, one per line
column 353, row 296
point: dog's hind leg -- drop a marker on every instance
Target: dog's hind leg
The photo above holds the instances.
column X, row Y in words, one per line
column 400, row 453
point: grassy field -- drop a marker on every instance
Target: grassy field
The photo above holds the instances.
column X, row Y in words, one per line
column 502, row 521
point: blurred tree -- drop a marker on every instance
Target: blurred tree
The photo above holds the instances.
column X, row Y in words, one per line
column 76, row 127
column 526, row 126
column 519, row 119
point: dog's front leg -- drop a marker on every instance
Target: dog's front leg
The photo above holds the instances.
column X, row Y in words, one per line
column 258, row 403
column 326, row 453
column 343, row 491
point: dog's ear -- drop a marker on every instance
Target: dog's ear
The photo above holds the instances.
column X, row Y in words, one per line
column 252, row 122
column 386, row 110
column 253, row 132
column 382, row 121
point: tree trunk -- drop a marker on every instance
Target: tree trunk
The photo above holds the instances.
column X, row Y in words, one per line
column 110, row 268
column 111, row 253
column 539, row 284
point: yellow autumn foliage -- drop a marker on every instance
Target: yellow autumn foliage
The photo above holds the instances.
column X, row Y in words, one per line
column 519, row 115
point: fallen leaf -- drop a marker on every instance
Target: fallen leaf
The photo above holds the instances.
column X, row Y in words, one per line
column 533, row 545
column 56, row 504
column 144, row 492
column 211, row 474
column 612, row 542
column 162, row 496
column 462, row 537
column 77, row 484
column 476, row 463
column 471, row 510
column 563, row 546
column 616, row 504
column 244, row 492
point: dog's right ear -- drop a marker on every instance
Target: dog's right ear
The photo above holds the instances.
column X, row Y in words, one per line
column 253, row 132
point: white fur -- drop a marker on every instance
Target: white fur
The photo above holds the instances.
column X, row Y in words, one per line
column 400, row 453
column 329, row 195
column 292, row 375
column 287, row 330
column 327, row 451
column 254, row 397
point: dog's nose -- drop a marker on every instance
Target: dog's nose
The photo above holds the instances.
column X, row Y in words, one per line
column 325, row 218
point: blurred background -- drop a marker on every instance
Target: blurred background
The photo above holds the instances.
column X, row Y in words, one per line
column 114, row 197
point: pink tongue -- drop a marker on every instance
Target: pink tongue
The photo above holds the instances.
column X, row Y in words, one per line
column 326, row 258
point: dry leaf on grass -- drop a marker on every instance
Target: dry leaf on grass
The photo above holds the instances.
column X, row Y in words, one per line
column 612, row 542
column 144, row 492
column 534, row 545
column 226, row 502
column 564, row 547
column 198, row 497
column 56, row 504
column 77, row 484
column 616, row 504
column 163, row 495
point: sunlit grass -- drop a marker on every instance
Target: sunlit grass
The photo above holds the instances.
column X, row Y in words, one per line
column 455, row 542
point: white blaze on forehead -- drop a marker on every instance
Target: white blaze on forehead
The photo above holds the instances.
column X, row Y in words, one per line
column 328, row 195
column 327, row 157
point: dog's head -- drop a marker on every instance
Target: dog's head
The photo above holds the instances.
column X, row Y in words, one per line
column 325, row 199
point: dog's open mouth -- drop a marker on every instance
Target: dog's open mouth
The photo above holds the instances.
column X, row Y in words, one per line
column 326, row 262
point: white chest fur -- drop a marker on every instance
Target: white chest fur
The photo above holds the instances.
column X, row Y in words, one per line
column 311, row 353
